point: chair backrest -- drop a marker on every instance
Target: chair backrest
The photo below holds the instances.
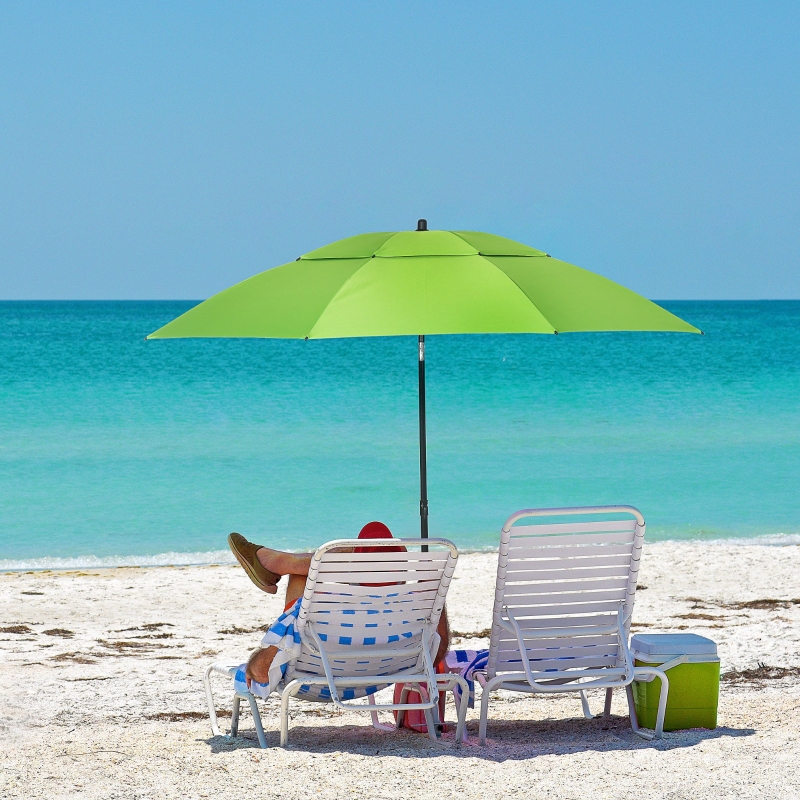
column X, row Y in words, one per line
column 564, row 577
column 387, row 602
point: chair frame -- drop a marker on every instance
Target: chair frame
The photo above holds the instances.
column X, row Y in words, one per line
column 565, row 680
column 423, row 673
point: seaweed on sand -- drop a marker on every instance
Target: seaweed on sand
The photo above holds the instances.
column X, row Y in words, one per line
column 760, row 674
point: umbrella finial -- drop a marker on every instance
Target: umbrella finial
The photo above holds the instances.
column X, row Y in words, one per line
column 422, row 225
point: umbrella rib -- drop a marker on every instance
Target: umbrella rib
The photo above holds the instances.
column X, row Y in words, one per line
column 519, row 288
column 524, row 293
column 310, row 334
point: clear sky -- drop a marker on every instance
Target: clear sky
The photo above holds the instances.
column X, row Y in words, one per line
column 167, row 150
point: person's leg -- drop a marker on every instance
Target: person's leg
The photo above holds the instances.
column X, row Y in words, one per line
column 295, row 588
column 443, row 629
column 284, row 563
column 265, row 566
column 261, row 660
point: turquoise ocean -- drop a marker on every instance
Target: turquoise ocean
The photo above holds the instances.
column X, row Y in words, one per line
column 115, row 450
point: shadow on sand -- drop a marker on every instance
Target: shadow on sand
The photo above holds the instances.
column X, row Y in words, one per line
column 508, row 739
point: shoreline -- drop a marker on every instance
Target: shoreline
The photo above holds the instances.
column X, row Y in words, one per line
column 223, row 557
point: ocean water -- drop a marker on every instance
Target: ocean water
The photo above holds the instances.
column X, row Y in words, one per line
column 117, row 450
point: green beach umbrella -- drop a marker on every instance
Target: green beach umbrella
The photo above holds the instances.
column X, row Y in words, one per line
column 418, row 283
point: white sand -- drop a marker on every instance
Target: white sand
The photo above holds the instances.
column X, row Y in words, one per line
column 87, row 714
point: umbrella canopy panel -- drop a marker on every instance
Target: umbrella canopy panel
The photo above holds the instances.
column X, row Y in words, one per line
column 417, row 283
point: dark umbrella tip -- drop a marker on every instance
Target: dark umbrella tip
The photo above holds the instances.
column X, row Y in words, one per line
column 422, row 224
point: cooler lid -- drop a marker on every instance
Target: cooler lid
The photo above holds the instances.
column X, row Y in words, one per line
column 672, row 644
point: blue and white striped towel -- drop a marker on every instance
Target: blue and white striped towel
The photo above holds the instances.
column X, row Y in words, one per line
column 284, row 635
column 466, row 663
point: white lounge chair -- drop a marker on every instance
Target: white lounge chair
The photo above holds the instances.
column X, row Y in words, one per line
column 357, row 635
column 563, row 604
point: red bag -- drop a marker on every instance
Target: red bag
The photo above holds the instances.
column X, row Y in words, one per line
column 415, row 718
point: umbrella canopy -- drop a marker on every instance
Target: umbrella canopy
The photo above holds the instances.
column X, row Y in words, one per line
column 417, row 283
column 421, row 282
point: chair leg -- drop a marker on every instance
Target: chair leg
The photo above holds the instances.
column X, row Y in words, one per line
column 447, row 682
column 634, row 719
column 235, row 715
column 587, row 712
column 431, row 724
column 662, row 705
column 662, row 702
column 607, row 706
column 401, row 714
column 262, row 740
column 461, row 711
column 484, row 714
column 376, row 723
column 212, row 711
column 289, row 691
column 437, row 720
column 285, row 718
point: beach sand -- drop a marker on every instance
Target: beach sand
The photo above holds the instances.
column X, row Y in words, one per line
column 101, row 694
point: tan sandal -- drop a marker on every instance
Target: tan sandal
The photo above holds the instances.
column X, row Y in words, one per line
column 245, row 553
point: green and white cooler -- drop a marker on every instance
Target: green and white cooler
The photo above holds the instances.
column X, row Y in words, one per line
column 691, row 665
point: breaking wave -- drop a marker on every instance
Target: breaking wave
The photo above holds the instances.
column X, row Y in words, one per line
column 170, row 559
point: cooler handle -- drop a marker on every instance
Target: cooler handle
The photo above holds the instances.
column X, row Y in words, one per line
column 665, row 666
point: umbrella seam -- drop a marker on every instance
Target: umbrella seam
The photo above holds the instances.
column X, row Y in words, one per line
column 505, row 255
column 427, row 255
column 520, row 289
column 310, row 334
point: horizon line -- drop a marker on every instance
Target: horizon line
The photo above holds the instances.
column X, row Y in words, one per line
column 200, row 300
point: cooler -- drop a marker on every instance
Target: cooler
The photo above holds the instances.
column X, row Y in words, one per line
column 693, row 681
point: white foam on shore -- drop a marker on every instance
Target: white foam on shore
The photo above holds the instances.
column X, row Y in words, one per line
column 170, row 559
column 765, row 540
column 205, row 558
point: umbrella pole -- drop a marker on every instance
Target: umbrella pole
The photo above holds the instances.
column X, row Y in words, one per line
column 423, row 456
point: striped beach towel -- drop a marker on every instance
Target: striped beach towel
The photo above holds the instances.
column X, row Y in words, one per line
column 466, row 663
column 284, row 635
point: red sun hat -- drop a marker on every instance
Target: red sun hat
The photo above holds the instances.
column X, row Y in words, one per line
column 377, row 530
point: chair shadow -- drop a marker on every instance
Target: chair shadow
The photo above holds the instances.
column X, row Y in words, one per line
column 507, row 739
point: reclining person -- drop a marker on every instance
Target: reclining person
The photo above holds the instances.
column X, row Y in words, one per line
column 265, row 567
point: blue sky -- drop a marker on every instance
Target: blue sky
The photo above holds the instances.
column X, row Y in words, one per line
column 167, row 150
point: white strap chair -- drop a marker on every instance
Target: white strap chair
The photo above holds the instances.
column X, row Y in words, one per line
column 367, row 620
column 563, row 603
